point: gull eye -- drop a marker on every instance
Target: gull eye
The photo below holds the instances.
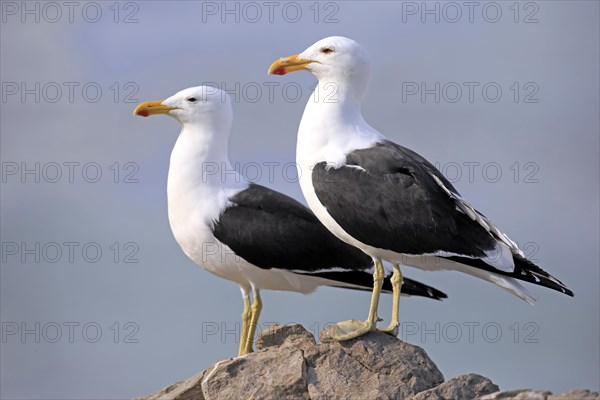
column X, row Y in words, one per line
column 326, row 50
column 192, row 99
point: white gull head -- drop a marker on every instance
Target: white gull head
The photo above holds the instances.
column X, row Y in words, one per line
column 334, row 60
column 332, row 123
column 339, row 59
column 204, row 106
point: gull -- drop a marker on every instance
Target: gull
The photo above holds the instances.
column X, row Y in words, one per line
column 386, row 199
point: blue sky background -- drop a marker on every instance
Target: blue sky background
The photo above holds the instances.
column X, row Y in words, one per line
column 534, row 158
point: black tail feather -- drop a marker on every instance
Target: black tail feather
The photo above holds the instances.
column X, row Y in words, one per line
column 525, row 270
column 365, row 282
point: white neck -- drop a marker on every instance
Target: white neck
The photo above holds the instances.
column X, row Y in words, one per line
column 200, row 175
column 333, row 125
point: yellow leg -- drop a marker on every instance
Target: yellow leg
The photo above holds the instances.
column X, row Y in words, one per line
column 256, row 308
column 246, row 316
column 351, row 329
column 378, row 276
column 396, row 280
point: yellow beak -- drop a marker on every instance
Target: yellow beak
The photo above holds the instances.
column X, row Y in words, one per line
column 288, row 64
column 152, row 108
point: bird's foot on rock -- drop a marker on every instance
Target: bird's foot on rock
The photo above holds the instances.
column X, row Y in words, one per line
column 245, row 351
column 392, row 329
column 346, row 330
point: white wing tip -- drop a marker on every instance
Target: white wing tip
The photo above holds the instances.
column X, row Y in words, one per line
column 514, row 287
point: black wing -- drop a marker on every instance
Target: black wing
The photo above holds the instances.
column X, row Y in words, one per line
column 271, row 230
column 393, row 202
column 389, row 197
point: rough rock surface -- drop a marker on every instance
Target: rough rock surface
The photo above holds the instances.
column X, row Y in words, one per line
column 289, row 364
column 468, row 386
column 528, row 394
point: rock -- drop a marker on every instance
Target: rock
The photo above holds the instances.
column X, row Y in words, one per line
column 285, row 335
column 289, row 363
column 523, row 394
column 333, row 373
column 269, row 374
column 528, row 394
column 190, row 389
column 578, row 394
column 395, row 369
column 468, row 386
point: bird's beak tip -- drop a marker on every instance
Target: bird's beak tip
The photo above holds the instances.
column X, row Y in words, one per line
column 152, row 108
column 276, row 71
column 139, row 112
column 285, row 65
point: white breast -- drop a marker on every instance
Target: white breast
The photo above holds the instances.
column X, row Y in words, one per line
column 195, row 202
column 328, row 132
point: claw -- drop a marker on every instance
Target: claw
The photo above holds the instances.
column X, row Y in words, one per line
column 346, row 330
column 391, row 329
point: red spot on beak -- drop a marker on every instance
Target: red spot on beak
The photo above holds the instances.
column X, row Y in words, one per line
column 143, row 113
column 279, row 71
